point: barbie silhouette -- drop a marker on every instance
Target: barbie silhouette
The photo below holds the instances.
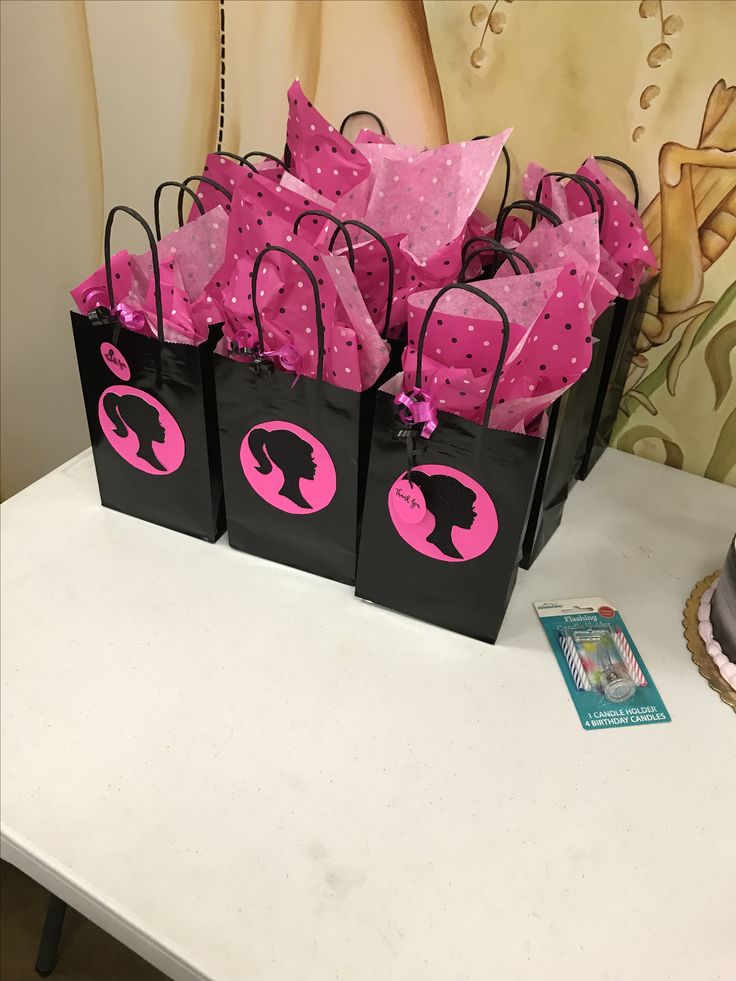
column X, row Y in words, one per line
column 290, row 453
column 141, row 430
column 451, row 504
column 460, row 522
column 288, row 467
column 128, row 412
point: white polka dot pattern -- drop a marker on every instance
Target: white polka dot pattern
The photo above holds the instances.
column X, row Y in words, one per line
column 550, row 346
column 320, row 156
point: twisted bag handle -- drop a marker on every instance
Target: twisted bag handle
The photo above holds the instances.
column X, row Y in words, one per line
column 230, row 156
column 340, row 228
column 202, row 180
column 157, row 204
column 522, row 205
column 507, row 179
column 479, row 252
column 317, row 301
column 586, row 185
column 154, row 258
column 492, row 245
column 629, row 171
column 504, row 342
column 362, row 112
column 389, row 259
column 245, row 161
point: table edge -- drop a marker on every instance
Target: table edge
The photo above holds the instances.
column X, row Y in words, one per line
column 103, row 913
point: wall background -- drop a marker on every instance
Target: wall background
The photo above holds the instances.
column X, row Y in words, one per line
column 129, row 96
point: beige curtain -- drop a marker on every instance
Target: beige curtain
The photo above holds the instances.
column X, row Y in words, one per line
column 103, row 100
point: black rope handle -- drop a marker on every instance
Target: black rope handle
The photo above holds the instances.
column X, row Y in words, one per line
column 522, row 205
column 230, row 156
column 157, row 204
column 586, row 185
column 362, row 112
column 340, row 228
column 202, row 180
column 154, row 258
column 504, row 342
column 507, row 179
column 389, row 259
column 486, row 275
column 479, row 252
column 492, row 245
column 317, row 301
column 261, row 153
column 629, row 171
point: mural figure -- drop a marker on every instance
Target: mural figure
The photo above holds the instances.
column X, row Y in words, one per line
column 690, row 223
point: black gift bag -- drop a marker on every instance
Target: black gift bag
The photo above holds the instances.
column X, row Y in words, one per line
column 622, row 324
column 569, row 418
column 450, row 553
column 291, row 455
column 617, row 335
column 151, row 413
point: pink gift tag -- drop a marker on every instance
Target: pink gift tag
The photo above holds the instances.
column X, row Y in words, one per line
column 115, row 361
column 406, row 502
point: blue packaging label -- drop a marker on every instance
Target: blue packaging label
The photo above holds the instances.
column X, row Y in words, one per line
column 605, row 674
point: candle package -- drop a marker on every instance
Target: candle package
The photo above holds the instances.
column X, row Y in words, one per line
column 604, row 672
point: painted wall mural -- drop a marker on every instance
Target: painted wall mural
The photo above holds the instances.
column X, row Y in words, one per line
column 691, row 223
column 646, row 82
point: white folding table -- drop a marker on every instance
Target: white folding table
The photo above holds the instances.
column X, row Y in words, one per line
column 246, row 774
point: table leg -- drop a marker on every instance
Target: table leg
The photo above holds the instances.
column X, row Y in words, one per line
column 50, row 936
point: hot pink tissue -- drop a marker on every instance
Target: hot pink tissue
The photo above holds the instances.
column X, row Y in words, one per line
column 622, row 234
column 570, row 202
column 575, row 241
column 549, row 348
column 228, row 173
column 92, row 292
column 373, row 353
column 430, row 197
column 354, row 352
column 188, row 257
column 626, row 256
column 320, row 156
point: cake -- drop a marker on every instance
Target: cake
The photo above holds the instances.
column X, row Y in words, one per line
column 717, row 619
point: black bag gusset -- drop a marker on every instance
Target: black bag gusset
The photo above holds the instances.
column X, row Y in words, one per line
column 150, row 406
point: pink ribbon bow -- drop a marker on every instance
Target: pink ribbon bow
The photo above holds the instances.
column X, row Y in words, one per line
column 96, row 298
column 133, row 319
column 290, row 359
column 416, row 408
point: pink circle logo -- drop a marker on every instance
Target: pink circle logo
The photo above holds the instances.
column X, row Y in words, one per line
column 115, row 361
column 459, row 522
column 288, row 467
column 141, row 430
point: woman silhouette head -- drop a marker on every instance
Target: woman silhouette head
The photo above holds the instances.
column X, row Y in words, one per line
column 132, row 413
column 452, row 505
column 290, row 453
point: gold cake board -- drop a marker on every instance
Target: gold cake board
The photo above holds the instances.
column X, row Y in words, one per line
column 695, row 644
